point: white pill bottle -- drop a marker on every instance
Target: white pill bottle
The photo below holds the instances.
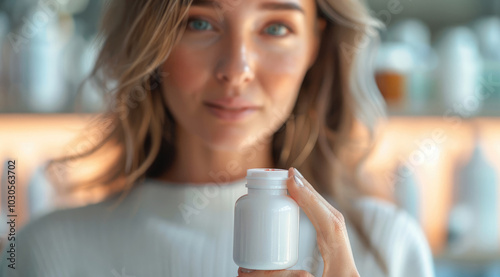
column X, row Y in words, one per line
column 266, row 222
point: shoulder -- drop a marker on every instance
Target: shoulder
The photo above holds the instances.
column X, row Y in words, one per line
column 397, row 235
column 62, row 219
column 52, row 237
column 386, row 219
column 379, row 213
column 36, row 241
column 56, row 223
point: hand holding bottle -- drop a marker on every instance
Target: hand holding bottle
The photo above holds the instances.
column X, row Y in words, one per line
column 331, row 232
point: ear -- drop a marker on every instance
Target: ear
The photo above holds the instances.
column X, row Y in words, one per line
column 319, row 28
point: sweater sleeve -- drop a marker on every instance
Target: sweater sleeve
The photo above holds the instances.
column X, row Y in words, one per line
column 399, row 238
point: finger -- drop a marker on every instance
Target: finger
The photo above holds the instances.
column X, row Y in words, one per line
column 333, row 241
column 274, row 273
column 323, row 216
column 302, row 180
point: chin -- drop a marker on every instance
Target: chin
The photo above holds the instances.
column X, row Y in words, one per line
column 229, row 145
column 232, row 143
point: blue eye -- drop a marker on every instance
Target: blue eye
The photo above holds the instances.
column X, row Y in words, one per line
column 277, row 29
column 200, row 25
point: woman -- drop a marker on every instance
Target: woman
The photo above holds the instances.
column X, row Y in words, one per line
column 203, row 91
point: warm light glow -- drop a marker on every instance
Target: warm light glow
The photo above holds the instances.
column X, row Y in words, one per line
column 432, row 147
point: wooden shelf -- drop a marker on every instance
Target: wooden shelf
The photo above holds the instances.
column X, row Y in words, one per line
column 434, row 109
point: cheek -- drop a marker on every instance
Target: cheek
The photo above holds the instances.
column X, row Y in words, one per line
column 281, row 76
column 290, row 59
column 283, row 70
column 186, row 70
column 185, row 77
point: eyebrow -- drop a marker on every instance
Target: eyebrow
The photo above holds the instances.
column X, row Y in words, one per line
column 281, row 6
column 264, row 6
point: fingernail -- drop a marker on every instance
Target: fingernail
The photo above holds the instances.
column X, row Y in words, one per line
column 298, row 181
column 297, row 172
column 244, row 270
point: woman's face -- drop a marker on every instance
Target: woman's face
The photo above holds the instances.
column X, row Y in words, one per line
column 233, row 78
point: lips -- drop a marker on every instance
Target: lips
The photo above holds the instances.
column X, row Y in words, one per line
column 230, row 108
column 231, row 111
column 232, row 103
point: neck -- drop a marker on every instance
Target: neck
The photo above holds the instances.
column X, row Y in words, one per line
column 197, row 162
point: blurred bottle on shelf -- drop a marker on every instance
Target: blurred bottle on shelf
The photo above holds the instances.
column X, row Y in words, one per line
column 393, row 65
column 47, row 90
column 487, row 30
column 415, row 35
column 474, row 218
column 459, row 71
column 4, row 29
column 406, row 191
column 41, row 75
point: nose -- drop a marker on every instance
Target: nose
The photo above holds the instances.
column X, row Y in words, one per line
column 235, row 67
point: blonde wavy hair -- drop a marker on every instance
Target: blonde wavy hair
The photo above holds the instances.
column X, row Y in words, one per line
column 337, row 93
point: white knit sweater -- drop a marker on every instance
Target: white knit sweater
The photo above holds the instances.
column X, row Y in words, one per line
column 166, row 229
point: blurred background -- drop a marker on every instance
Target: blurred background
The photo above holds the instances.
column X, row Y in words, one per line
column 438, row 68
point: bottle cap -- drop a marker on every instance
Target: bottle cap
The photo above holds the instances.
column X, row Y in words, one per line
column 267, row 178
